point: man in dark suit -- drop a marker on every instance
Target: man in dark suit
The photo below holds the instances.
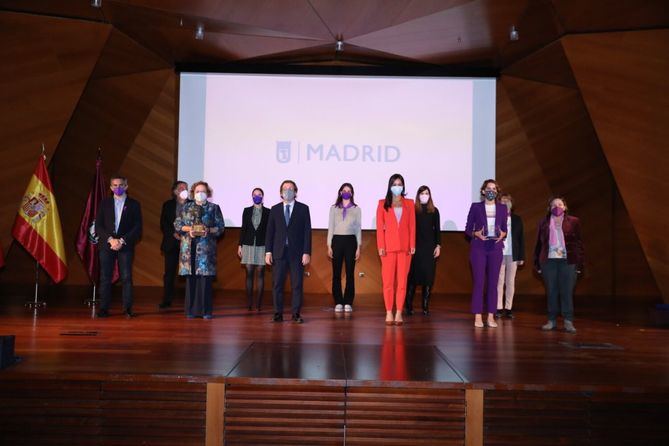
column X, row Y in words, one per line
column 119, row 227
column 288, row 248
column 171, row 239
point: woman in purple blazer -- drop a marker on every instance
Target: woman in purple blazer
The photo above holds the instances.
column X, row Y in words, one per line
column 486, row 226
column 558, row 257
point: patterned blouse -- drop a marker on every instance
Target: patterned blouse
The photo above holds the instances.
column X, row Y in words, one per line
column 205, row 246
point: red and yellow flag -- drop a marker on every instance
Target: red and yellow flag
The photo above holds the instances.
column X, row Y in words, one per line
column 37, row 224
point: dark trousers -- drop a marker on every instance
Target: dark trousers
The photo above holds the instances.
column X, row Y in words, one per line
column 486, row 261
column 559, row 279
column 199, row 295
column 107, row 260
column 343, row 252
column 171, row 264
column 280, row 269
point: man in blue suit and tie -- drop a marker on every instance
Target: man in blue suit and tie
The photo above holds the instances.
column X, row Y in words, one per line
column 288, row 248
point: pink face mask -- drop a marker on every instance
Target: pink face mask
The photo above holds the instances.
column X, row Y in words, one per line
column 557, row 212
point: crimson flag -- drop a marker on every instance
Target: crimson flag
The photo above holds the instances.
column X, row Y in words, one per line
column 87, row 238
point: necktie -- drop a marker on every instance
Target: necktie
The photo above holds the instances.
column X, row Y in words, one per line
column 287, row 217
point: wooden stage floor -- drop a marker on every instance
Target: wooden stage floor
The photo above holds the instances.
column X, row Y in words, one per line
column 240, row 379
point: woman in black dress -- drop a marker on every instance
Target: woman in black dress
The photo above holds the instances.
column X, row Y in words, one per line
column 428, row 248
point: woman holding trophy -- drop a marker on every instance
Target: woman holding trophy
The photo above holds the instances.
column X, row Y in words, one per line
column 487, row 228
column 200, row 225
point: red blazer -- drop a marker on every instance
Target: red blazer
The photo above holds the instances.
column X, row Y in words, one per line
column 393, row 237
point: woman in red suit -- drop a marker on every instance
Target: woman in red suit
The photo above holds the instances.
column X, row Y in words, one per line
column 396, row 242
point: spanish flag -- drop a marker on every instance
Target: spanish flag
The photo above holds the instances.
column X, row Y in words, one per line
column 37, row 224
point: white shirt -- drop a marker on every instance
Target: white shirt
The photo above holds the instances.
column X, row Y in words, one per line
column 398, row 213
column 508, row 251
column 292, row 206
column 119, row 203
column 490, row 210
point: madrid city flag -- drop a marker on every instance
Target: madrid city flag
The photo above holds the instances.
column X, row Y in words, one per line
column 37, row 224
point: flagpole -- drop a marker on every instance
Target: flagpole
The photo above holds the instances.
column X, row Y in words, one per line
column 92, row 301
column 36, row 303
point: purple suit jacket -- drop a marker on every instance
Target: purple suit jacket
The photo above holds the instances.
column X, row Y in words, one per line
column 476, row 219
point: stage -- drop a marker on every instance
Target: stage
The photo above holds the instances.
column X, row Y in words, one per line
column 336, row 379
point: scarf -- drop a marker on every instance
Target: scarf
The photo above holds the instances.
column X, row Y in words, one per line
column 344, row 208
column 555, row 237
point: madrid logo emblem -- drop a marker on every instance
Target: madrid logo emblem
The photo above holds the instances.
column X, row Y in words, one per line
column 283, row 151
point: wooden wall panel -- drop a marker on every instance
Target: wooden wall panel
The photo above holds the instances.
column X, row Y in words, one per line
column 565, row 145
column 517, row 166
column 46, row 64
column 605, row 15
column 407, row 417
column 111, row 114
column 539, row 418
column 631, row 272
column 288, row 414
column 150, row 167
column 548, row 65
column 535, row 418
column 623, row 79
column 102, row 412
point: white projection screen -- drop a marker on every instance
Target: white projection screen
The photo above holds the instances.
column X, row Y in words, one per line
column 241, row 131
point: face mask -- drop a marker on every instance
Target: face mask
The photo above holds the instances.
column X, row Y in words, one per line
column 424, row 198
column 118, row 191
column 289, row 194
column 183, row 194
column 201, row 196
column 397, row 190
column 257, row 199
column 490, row 195
column 508, row 205
column 346, row 195
column 557, row 212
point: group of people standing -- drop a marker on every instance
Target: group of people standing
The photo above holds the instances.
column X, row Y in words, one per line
column 408, row 238
column 498, row 247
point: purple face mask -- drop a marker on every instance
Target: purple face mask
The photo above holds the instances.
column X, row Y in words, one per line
column 557, row 212
column 257, row 199
column 346, row 195
column 118, row 191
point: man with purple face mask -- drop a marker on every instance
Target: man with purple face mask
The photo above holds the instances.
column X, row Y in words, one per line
column 119, row 227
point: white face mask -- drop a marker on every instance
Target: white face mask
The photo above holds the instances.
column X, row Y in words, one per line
column 201, row 196
column 424, row 198
column 183, row 194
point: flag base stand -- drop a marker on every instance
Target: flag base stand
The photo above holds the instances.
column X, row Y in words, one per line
column 36, row 304
column 92, row 302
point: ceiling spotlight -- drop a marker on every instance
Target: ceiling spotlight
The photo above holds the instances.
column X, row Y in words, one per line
column 513, row 33
column 199, row 32
column 96, row 3
column 339, row 46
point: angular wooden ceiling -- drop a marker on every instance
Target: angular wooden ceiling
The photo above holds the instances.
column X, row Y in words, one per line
column 414, row 34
